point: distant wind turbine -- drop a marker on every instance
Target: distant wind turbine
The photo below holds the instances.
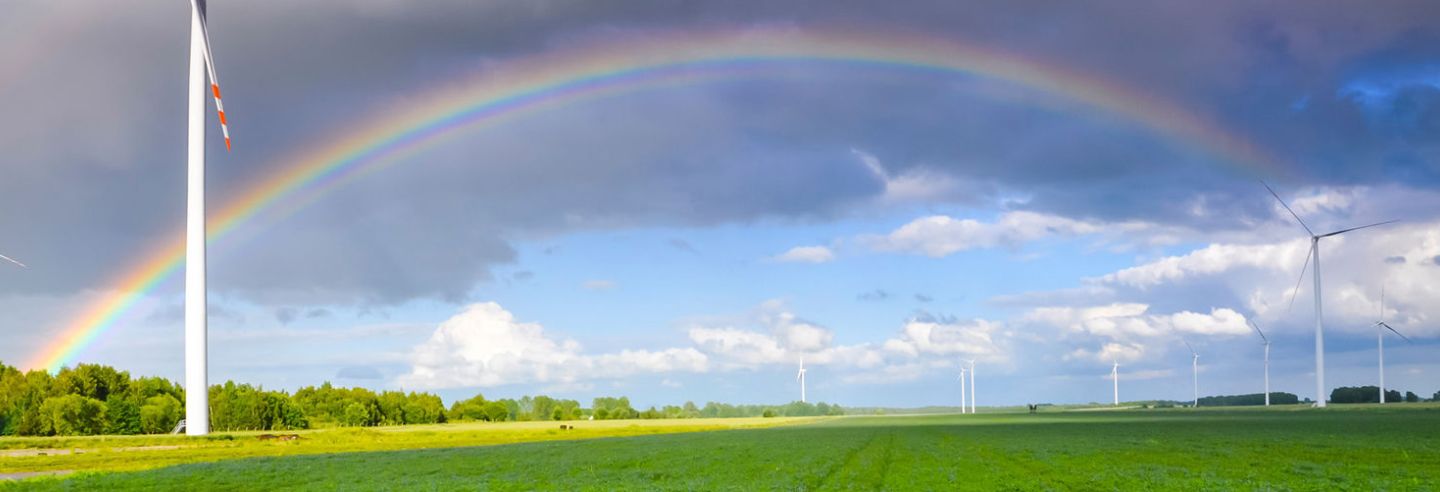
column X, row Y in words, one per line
column 1319, row 323
column 1267, row 360
column 12, row 260
column 1380, row 339
column 800, row 376
column 1115, row 378
column 1194, row 371
column 202, row 65
column 962, row 389
column 972, row 385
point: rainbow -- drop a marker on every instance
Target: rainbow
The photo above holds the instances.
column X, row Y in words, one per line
column 514, row 88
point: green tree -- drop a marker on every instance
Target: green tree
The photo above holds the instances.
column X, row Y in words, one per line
column 392, row 408
column 497, row 411
column 159, row 414
column 468, row 409
column 122, row 415
column 91, row 381
column 424, row 408
column 356, row 414
column 72, row 415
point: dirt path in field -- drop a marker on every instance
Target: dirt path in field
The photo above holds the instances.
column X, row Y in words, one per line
column 22, row 475
column 19, row 453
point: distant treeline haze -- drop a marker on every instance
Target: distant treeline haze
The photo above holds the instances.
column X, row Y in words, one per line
column 92, row 399
column 1276, row 398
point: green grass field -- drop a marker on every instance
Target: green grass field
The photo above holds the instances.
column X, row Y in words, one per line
column 1351, row 448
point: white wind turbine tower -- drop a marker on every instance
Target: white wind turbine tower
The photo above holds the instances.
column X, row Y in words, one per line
column 1319, row 324
column 1380, row 339
column 972, row 385
column 12, row 260
column 800, row 376
column 202, row 64
column 1267, row 360
column 1194, row 372
column 962, row 389
column 1115, row 378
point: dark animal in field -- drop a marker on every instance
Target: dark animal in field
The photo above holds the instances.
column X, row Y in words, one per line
column 1033, row 408
column 273, row 437
column 566, row 427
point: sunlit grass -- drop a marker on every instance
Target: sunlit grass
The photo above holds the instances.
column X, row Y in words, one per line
column 114, row 453
column 1350, row 447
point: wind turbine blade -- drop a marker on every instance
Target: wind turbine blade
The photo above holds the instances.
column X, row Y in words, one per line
column 1392, row 330
column 1287, row 208
column 1342, row 231
column 1303, row 268
column 210, row 69
column 1257, row 330
column 12, row 260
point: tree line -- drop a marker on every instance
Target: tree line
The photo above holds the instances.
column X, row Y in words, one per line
column 1371, row 394
column 91, row 399
column 1276, row 398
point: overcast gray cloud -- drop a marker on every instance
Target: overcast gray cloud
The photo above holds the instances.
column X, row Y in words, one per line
column 93, row 123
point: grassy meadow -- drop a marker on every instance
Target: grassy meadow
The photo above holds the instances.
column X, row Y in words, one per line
column 1396, row 447
column 128, row 453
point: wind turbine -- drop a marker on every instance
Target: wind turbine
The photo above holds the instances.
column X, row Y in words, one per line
column 1380, row 339
column 800, row 376
column 12, row 260
column 962, row 389
column 1267, row 360
column 972, row 385
column 1115, row 378
column 1194, row 371
column 1319, row 324
column 202, row 64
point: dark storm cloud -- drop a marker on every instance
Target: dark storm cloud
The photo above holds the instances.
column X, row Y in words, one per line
column 93, row 159
column 874, row 295
column 682, row 245
column 286, row 315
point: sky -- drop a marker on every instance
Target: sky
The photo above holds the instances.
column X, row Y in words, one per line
column 691, row 240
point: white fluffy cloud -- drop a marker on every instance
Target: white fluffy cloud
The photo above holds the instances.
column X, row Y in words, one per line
column 772, row 335
column 1127, row 332
column 941, row 235
column 740, row 347
column 775, row 336
column 806, row 254
column 485, row 346
column 1212, row 260
column 1263, row 277
column 914, row 185
column 1123, row 321
column 924, row 336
